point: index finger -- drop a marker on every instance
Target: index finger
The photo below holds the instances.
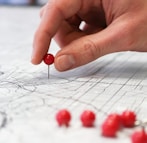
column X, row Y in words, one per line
column 55, row 12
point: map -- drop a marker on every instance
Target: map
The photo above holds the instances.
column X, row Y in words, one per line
column 29, row 100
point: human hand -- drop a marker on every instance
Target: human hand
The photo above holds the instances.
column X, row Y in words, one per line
column 111, row 26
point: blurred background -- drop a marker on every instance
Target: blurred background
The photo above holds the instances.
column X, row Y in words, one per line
column 22, row 2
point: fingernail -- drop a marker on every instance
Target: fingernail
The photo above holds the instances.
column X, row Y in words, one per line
column 65, row 62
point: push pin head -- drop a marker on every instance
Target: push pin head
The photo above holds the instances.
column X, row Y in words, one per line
column 63, row 117
column 139, row 136
column 88, row 117
column 48, row 59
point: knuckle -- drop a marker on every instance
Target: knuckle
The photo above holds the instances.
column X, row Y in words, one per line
column 91, row 50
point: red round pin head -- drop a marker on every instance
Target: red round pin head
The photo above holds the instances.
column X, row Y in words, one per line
column 116, row 118
column 139, row 137
column 110, row 127
column 87, row 118
column 48, row 59
column 128, row 118
column 63, row 117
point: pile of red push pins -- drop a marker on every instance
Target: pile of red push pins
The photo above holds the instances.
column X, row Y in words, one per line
column 112, row 124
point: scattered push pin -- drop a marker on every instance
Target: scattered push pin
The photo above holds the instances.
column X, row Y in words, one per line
column 139, row 136
column 116, row 118
column 88, row 118
column 63, row 117
column 128, row 118
column 111, row 125
column 48, row 59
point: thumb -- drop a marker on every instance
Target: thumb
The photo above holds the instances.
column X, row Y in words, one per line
column 114, row 38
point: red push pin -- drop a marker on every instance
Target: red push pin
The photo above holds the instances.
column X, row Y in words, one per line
column 116, row 118
column 88, row 118
column 128, row 118
column 110, row 127
column 48, row 59
column 139, row 136
column 63, row 117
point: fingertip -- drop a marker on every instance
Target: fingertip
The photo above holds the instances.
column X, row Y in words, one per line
column 40, row 47
column 64, row 62
column 36, row 57
column 35, row 61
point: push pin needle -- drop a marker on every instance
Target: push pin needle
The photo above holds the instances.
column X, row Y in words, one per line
column 48, row 60
column 48, row 71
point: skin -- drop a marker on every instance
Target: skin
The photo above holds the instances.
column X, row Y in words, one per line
column 110, row 26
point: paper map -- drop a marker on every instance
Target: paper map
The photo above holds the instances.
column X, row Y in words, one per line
column 29, row 100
